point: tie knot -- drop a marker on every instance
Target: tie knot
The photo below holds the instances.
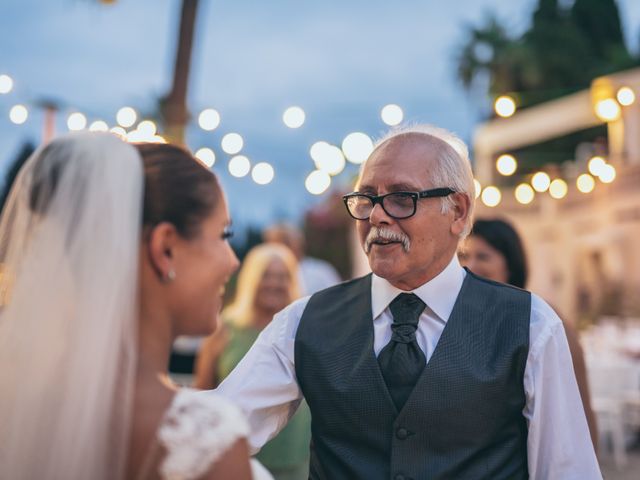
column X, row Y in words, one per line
column 406, row 309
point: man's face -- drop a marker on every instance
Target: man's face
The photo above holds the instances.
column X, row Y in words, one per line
column 404, row 163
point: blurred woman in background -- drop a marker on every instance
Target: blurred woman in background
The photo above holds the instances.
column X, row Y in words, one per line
column 267, row 283
column 494, row 250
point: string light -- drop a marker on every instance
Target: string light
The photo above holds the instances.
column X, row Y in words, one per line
column 76, row 121
column 524, row 193
column 317, row 182
column 596, row 166
column 209, row 119
column 491, row 196
column 6, row 84
column 206, row 156
column 18, row 114
column 357, row 147
column 99, row 126
column 478, row 187
column 608, row 110
column 293, row 117
column 506, row 165
column 585, row 183
column 328, row 158
column 558, row 188
column 232, row 143
column 239, row 166
column 626, row 96
column 126, row 117
column 392, row 114
column 148, row 128
column 608, row 174
column 505, row 106
column 262, row 173
column 119, row 131
column 541, row 182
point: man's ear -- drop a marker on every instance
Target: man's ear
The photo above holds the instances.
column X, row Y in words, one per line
column 161, row 245
column 461, row 209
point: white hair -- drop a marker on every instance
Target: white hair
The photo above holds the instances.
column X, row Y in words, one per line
column 452, row 169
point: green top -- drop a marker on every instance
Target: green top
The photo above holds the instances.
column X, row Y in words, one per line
column 291, row 446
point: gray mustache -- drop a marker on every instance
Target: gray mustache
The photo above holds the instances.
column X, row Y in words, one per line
column 377, row 234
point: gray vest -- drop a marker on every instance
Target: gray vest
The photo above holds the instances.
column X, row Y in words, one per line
column 463, row 419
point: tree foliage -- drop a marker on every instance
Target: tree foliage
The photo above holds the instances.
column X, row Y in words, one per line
column 560, row 53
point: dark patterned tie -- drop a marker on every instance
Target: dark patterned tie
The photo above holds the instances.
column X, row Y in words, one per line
column 401, row 360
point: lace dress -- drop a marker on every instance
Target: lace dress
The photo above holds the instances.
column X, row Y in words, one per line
column 196, row 431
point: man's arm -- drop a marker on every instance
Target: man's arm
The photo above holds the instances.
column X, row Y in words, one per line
column 559, row 445
column 264, row 383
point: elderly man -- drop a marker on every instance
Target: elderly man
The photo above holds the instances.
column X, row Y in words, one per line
column 420, row 370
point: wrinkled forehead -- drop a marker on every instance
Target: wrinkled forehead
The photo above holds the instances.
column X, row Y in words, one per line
column 407, row 161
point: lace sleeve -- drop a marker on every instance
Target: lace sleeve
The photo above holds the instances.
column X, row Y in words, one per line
column 196, row 431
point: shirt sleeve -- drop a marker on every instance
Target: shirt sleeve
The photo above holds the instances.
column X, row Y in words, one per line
column 558, row 444
column 264, row 383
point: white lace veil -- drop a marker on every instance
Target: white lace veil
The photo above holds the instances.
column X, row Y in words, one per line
column 69, row 242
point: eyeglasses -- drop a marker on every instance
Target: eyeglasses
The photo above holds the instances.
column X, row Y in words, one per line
column 397, row 205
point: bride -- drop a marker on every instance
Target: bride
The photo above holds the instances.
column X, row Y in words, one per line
column 107, row 252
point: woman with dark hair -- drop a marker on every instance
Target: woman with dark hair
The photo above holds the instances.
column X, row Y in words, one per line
column 109, row 251
column 494, row 250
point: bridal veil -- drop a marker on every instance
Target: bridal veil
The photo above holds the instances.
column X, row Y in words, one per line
column 69, row 243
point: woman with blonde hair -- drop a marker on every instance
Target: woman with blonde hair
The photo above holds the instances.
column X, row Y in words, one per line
column 267, row 283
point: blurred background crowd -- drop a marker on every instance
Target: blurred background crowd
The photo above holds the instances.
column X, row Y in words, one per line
column 284, row 101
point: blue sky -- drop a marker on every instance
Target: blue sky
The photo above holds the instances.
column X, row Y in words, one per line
column 339, row 60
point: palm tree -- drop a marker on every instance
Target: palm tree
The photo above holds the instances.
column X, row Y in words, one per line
column 173, row 106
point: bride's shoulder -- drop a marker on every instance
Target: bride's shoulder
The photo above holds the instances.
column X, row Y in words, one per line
column 196, row 430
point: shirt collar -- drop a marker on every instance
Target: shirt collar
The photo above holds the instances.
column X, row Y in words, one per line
column 439, row 293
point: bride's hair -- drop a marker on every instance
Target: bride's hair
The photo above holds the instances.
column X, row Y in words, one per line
column 178, row 188
column 70, row 236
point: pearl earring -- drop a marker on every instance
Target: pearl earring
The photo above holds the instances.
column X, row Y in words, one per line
column 170, row 277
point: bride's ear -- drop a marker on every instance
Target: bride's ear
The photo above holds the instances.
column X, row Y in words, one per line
column 161, row 245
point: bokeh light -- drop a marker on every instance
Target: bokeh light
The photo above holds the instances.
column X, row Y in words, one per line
column 491, row 196
column 293, row 117
column 262, row 173
column 99, row 126
column 209, row 119
column 585, row 183
column 558, row 188
column 541, row 181
column 232, row 143
column 147, row 128
column 626, row 96
column 328, row 158
column 505, row 106
column 357, row 147
column 206, row 156
column 18, row 114
column 317, row 182
column 596, row 165
column 524, row 193
column 119, row 131
column 506, row 165
column 239, row 166
column 6, row 84
column 608, row 110
column 478, row 187
column 76, row 121
column 126, row 117
column 392, row 114
column 608, row 174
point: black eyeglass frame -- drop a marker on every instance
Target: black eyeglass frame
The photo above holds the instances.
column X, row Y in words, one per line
column 378, row 199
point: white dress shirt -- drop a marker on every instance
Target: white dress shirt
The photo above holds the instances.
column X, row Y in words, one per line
column 264, row 383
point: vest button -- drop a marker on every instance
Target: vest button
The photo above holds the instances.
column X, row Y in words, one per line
column 402, row 433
